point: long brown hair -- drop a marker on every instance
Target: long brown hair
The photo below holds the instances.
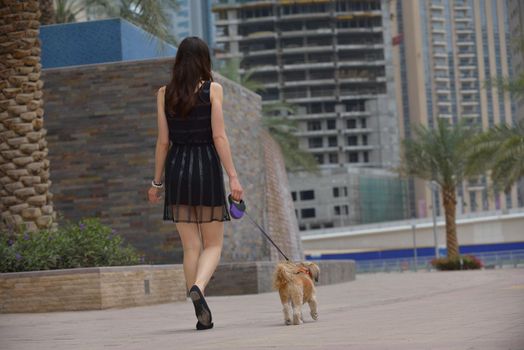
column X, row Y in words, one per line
column 192, row 64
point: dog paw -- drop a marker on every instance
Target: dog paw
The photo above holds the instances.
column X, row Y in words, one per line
column 297, row 320
column 288, row 322
column 314, row 315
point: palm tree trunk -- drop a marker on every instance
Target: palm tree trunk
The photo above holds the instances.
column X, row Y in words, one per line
column 47, row 10
column 450, row 203
column 24, row 167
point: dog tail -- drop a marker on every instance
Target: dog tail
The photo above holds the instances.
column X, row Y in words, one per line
column 282, row 276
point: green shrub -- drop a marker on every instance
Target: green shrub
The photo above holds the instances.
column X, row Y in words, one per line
column 469, row 262
column 86, row 244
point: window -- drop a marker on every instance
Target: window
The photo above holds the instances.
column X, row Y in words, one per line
column 294, row 195
column 333, row 158
column 352, row 140
column 341, row 209
column 315, row 142
column 363, row 123
column 338, row 193
column 331, row 124
column 328, row 225
column 302, row 227
column 319, row 158
column 351, row 124
column 296, row 213
column 307, row 195
column 332, row 141
column 314, row 125
column 364, row 139
column 307, row 213
column 366, row 157
column 353, row 157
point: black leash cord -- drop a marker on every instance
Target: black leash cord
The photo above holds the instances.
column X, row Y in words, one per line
column 265, row 234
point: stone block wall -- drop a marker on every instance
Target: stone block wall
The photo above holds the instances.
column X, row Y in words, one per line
column 102, row 129
column 91, row 288
column 282, row 221
column 257, row 276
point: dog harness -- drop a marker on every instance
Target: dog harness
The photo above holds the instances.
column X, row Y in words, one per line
column 305, row 270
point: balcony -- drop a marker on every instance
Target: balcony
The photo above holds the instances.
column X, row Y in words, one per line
column 306, row 32
column 258, row 19
column 306, row 65
column 266, row 34
column 310, row 48
column 360, row 46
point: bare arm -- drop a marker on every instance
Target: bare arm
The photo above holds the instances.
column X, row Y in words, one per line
column 219, row 133
column 162, row 141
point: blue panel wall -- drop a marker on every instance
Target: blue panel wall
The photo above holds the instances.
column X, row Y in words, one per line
column 80, row 43
column 138, row 44
column 421, row 252
column 108, row 40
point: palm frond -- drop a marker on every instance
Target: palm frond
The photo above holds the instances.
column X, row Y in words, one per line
column 437, row 153
column 501, row 150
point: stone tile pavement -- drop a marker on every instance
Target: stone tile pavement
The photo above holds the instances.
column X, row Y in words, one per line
column 424, row 310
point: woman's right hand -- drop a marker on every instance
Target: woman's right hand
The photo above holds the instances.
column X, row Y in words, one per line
column 236, row 189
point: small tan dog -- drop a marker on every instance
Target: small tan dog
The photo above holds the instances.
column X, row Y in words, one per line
column 294, row 282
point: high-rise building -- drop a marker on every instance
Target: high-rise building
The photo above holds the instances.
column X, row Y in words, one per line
column 332, row 59
column 449, row 48
column 194, row 18
column 516, row 24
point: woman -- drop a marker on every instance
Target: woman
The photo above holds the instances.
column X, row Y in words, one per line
column 190, row 119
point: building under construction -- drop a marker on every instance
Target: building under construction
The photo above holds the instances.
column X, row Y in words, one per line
column 330, row 59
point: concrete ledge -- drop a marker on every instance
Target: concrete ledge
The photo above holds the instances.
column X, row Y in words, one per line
column 256, row 276
column 91, row 288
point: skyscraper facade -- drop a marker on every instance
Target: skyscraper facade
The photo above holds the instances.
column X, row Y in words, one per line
column 449, row 49
column 332, row 59
column 194, row 18
column 516, row 23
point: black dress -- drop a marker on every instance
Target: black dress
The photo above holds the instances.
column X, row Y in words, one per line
column 194, row 183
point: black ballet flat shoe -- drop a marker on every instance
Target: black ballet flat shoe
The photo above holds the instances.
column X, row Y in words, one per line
column 202, row 311
column 200, row 326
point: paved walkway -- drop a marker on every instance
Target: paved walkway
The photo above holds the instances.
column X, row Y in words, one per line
column 424, row 310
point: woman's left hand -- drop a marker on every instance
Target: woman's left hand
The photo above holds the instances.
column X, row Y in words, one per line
column 154, row 194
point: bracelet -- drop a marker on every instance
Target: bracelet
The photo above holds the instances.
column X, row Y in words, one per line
column 160, row 185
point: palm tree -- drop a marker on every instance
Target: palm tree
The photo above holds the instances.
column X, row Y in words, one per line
column 150, row 15
column 500, row 149
column 24, row 166
column 437, row 154
column 48, row 15
column 282, row 129
column 274, row 119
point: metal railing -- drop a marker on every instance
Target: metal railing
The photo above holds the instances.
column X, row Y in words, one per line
column 490, row 260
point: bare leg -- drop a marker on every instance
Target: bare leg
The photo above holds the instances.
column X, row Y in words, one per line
column 192, row 246
column 313, row 307
column 212, row 237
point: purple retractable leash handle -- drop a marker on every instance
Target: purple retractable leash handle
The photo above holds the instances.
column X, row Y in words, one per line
column 238, row 209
